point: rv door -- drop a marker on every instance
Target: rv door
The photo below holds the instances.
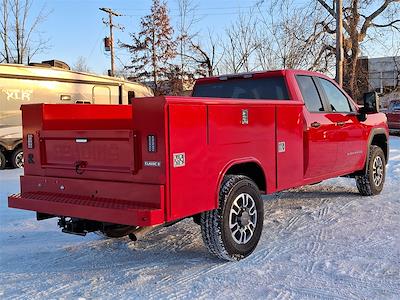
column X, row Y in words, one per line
column 101, row 95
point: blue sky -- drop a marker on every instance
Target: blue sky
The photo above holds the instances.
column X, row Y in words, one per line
column 75, row 27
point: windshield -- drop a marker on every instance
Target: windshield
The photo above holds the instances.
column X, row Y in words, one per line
column 272, row 88
column 395, row 105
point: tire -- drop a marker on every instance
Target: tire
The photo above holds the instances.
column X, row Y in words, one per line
column 371, row 183
column 228, row 232
column 17, row 158
column 2, row 161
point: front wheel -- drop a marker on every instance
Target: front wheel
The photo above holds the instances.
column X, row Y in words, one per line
column 232, row 231
column 371, row 183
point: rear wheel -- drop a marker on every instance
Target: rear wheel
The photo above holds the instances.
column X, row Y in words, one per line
column 371, row 183
column 232, row 231
column 17, row 158
column 2, row 161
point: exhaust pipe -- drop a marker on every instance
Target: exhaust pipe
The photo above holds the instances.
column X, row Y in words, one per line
column 141, row 232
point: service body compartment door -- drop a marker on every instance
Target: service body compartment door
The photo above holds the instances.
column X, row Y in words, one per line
column 188, row 161
column 88, row 150
column 289, row 145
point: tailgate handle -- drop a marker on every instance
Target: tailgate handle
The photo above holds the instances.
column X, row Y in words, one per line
column 80, row 165
column 81, row 140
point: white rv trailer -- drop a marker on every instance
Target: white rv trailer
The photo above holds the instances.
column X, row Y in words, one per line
column 20, row 84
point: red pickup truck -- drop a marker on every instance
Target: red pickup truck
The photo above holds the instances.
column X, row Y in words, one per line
column 124, row 169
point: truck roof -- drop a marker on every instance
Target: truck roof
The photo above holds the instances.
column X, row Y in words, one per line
column 258, row 74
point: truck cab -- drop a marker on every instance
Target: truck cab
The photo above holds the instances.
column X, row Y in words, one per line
column 331, row 140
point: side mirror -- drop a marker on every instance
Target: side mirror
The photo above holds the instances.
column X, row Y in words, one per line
column 371, row 103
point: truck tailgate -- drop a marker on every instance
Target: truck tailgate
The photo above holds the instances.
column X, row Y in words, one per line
column 88, row 150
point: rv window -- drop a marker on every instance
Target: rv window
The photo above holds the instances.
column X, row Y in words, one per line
column 131, row 94
column 65, row 97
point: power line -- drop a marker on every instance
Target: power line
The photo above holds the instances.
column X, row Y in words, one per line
column 197, row 15
column 200, row 8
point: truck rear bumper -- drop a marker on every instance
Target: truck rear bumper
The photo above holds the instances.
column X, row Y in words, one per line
column 125, row 203
column 102, row 210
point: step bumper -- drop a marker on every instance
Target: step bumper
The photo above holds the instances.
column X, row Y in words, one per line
column 91, row 208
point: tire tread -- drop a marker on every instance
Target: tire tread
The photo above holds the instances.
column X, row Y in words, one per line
column 211, row 221
column 363, row 182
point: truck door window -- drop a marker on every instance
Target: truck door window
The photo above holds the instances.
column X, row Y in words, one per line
column 310, row 93
column 337, row 100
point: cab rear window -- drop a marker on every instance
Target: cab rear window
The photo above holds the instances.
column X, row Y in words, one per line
column 271, row 88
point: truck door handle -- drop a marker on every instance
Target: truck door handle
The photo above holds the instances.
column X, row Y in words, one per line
column 340, row 123
column 315, row 124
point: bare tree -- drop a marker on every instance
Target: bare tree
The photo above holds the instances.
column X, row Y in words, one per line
column 240, row 44
column 153, row 48
column 81, row 65
column 19, row 31
column 4, row 31
column 361, row 17
column 290, row 36
column 206, row 55
column 186, row 19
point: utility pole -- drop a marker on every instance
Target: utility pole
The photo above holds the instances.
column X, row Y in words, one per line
column 111, row 13
column 339, row 42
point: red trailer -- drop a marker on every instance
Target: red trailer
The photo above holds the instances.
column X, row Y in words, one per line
column 124, row 169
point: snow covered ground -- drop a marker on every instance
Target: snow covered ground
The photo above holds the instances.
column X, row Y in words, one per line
column 322, row 241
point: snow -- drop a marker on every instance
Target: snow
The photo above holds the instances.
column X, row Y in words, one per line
column 320, row 241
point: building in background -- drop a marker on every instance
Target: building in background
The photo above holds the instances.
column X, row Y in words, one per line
column 384, row 78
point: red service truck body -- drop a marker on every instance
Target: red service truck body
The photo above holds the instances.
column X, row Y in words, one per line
column 125, row 168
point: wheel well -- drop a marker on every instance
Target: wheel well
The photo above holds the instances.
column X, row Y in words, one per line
column 251, row 170
column 380, row 140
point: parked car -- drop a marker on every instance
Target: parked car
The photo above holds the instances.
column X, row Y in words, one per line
column 123, row 170
column 51, row 82
column 393, row 116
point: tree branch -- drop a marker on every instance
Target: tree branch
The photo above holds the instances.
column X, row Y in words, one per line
column 328, row 8
column 371, row 17
column 386, row 25
column 333, row 13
